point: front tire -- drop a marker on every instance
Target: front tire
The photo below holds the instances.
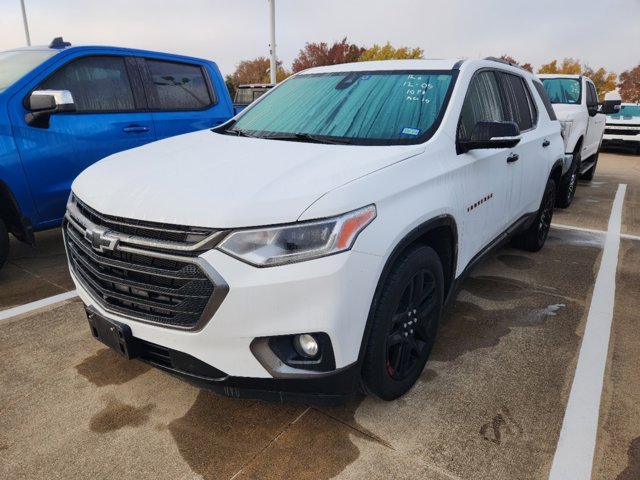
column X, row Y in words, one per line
column 4, row 243
column 405, row 324
column 534, row 237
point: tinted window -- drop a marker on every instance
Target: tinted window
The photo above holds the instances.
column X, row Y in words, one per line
column 592, row 96
column 545, row 100
column 482, row 104
column 179, row 86
column 516, row 101
column 96, row 83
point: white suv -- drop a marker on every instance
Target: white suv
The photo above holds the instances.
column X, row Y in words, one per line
column 307, row 247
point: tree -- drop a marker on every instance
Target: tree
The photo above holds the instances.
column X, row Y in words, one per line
column 318, row 54
column 388, row 52
column 630, row 85
column 569, row 66
column 508, row 58
column 253, row 71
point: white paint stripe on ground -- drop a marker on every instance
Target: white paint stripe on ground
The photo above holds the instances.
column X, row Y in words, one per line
column 580, row 229
column 629, row 237
column 29, row 307
column 574, row 454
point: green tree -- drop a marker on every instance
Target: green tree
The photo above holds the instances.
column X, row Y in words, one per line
column 318, row 54
column 630, row 85
column 388, row 52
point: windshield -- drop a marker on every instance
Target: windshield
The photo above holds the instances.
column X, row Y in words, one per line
column 563, row 90
column 380, row 107
column 627, row 111
column 17, row 63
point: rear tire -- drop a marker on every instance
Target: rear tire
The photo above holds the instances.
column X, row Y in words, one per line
column 588, row 175
column 4, row 243
column 405, row 324
column 568, row 184
column 534, row 237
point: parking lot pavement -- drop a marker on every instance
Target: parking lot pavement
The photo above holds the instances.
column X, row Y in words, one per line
column 490, row 403
column 33, row 273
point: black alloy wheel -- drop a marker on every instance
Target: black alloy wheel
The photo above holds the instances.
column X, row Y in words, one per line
column 404, row 324
column 413, row 325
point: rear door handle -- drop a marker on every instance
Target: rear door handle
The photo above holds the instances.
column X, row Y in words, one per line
column 135, row 129
column 546, row 143
column 513, row 157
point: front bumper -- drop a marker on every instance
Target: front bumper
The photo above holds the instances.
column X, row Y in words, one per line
column 330, row 295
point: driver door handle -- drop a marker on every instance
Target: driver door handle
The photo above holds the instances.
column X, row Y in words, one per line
column 513, row 158
column 135, row 129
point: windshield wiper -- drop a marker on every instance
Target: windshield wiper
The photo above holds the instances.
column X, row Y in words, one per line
column 309, row 137
column 239, row 133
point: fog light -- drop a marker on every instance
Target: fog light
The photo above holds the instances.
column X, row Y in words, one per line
column 306, row 345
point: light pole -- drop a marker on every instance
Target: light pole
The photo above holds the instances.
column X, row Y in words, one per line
column 272, row 40
column 26, row 25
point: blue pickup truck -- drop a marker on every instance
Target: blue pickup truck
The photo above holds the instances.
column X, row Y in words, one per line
column 65, row 107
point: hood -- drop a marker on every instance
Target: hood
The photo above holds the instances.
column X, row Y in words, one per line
column 212, row 180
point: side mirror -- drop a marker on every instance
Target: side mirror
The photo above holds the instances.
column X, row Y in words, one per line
column 609, row 107
column 43, row 103
column 593, row 109
column 490, row 135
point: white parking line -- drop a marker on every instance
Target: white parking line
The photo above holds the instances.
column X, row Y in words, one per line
column 29, row 307
column 574, row 454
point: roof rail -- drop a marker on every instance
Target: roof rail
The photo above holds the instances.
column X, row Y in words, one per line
column 505, row 62
column 58, row 42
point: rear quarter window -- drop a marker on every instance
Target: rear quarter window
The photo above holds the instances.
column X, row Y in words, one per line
column 178, row 86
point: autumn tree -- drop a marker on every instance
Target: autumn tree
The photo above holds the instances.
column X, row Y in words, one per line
column 388, row 52
column 508, row 58
column 630, row 85
column 318, row 54
column 603, row 80
column 253, row 71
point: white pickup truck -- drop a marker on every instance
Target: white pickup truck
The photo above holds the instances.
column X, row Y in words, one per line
column 575, row 103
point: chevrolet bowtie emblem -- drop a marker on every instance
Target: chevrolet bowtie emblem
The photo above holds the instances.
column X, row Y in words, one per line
column 101, row 239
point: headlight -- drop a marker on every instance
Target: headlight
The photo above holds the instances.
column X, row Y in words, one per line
column 565, row 128
column 267, row 247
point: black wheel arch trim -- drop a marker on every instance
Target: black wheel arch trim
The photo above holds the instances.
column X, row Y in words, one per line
column 10, row 212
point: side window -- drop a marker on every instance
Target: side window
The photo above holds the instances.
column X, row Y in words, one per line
column 517, row 102
column 98, row 84
column 179, row 86
column 592, row 96
column 545, row 100
column 481, row 104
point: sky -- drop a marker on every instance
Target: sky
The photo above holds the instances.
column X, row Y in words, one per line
column 601, row 33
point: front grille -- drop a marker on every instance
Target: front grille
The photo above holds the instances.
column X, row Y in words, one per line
column 143, row 283
column 153, row 234
column 617, row 131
